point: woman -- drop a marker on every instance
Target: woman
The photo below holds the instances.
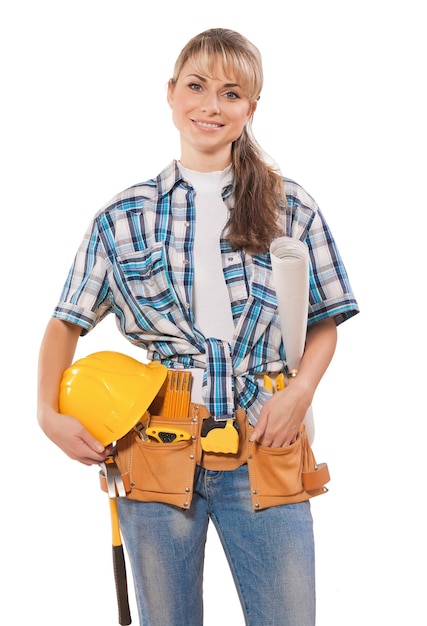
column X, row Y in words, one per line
column 182, row 261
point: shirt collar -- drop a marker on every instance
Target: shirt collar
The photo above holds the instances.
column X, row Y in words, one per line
column 171, row 176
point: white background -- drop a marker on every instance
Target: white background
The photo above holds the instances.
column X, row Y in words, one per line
column 84, row 115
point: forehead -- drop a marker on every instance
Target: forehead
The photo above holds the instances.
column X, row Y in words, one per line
column 212, row 69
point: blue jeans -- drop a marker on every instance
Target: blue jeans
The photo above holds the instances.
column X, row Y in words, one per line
column 270, row 552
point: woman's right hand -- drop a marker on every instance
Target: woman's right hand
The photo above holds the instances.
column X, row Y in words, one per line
column 73, row 438
column 56, row 354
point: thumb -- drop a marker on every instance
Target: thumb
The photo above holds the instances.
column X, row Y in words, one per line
column 259, row 429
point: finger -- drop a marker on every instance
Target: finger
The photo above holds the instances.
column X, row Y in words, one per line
column 85, row 459
column 290, row 442
column 257, row 434
column 259, row 429
column 93, row 445
column 96, row 446
column 87, row 456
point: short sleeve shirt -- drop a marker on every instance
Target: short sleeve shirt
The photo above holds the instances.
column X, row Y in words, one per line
column 136, row 262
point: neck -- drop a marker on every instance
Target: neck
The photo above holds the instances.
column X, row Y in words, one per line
column 205, row 161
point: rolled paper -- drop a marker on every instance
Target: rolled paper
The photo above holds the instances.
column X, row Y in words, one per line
column 290, row 265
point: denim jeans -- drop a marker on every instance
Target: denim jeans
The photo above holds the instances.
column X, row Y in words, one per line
column 270, row 553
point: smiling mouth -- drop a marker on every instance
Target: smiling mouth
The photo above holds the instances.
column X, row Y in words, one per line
column 207, row 125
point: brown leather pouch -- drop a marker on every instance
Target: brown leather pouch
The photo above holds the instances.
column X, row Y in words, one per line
column 285, row 475
column 160, row 472
column 164, row 472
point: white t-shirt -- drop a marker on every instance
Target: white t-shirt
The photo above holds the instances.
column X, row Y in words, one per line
column 212, row 308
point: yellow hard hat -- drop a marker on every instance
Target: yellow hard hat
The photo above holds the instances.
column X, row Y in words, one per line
column 108, row 392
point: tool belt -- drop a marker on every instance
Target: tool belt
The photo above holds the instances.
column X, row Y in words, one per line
column 164, row 470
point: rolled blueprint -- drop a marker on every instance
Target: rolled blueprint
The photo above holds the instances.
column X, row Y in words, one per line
column 290, row 264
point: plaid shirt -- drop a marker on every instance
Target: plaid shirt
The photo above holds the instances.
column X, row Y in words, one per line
column 136, row 261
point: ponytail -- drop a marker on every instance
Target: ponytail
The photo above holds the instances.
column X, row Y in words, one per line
column 258, row 195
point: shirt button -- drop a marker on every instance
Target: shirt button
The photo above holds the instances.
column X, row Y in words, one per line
column 185, row 261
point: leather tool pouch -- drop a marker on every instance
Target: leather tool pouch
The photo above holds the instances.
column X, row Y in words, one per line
column 285, row 475
column 159, row 472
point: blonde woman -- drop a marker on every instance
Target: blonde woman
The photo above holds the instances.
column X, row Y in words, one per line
column 182, row 261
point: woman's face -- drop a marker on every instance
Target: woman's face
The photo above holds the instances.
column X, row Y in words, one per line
column 210, row 113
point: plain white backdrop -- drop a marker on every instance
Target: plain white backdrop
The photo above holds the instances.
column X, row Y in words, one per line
column 83, row 116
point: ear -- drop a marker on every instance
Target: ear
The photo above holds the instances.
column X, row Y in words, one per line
column 252, row 109
column 171, row 87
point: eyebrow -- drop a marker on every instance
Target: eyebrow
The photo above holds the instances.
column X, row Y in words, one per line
column 204, row 80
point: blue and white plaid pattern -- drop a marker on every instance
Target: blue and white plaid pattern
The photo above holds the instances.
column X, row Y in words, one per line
column 136, row 261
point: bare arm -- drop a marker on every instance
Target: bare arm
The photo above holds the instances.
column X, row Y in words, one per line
column 56, row 354
column 283, row 413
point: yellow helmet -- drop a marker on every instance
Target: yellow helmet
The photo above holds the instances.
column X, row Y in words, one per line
column 109, row 392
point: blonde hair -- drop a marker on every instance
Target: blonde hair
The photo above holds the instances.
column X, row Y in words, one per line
column 258, row 188
column 238, row 56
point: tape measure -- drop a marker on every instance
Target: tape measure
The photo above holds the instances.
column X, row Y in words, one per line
column 220, row 436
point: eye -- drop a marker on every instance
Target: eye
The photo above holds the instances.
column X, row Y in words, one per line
column 195, row 87
column 231, row 95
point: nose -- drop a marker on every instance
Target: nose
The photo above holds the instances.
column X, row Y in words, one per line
column 210, row 103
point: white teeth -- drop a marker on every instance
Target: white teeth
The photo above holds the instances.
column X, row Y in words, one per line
column 205, row 125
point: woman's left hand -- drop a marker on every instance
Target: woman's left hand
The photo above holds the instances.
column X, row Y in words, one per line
column 281, row 416
column 283, row 413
